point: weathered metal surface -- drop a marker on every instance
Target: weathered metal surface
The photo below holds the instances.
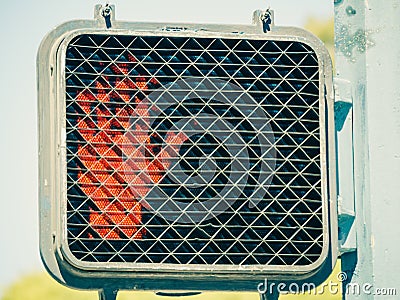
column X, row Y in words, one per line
column 368, row 55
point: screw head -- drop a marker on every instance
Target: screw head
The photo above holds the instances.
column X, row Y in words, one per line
column 106, row 11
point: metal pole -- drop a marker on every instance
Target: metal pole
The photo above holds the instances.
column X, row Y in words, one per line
column 367, row 41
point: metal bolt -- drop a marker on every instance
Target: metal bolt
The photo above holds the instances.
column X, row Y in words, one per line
column 350, row 10
column 106, row 11
column 266, row 20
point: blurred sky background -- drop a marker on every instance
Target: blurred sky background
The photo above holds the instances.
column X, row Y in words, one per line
column 23, row 24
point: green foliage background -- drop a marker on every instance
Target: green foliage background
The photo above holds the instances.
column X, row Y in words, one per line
column 41, row 286
column 324, row 29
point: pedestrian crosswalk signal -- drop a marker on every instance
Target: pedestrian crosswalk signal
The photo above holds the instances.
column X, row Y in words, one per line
column 184, row 153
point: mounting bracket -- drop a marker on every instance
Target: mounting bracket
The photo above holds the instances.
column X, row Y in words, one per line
column 345, row 165
column 108, row 294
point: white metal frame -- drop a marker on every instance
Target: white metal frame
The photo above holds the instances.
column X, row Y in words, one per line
column 52, row 162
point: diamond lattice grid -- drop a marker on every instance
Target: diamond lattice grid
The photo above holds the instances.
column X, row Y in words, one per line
column 135, row 159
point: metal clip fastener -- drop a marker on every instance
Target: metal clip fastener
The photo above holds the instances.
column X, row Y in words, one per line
column 266, row 19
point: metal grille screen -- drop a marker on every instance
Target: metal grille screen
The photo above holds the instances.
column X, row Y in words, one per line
column 193, row 151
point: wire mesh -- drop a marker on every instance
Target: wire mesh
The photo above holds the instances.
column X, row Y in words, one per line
column 184, row 150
